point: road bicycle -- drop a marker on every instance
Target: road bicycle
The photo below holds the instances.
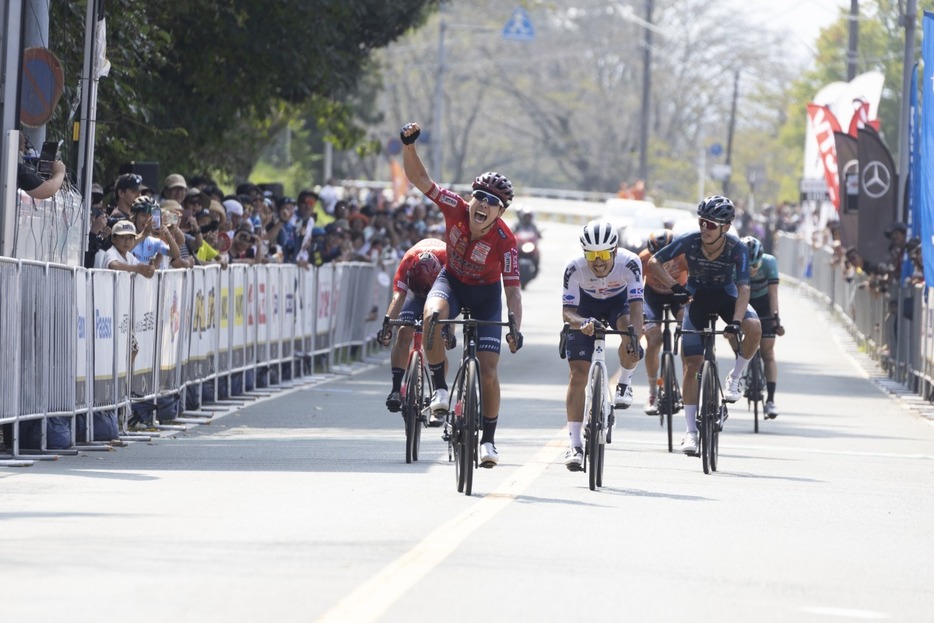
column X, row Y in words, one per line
column 754, row 388
column 462, row 431
column 668, row 394
column 416, row 388
column 712, row 411
column 598, row 402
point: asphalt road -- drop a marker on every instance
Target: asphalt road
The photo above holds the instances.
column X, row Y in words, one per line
column 300, row 507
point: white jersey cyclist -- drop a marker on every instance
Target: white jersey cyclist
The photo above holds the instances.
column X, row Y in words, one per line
column 581, row 284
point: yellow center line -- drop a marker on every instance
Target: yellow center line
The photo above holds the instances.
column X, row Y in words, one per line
column 372, row 599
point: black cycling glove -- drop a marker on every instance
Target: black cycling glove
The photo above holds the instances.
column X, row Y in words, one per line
column 732, row 328
column 408, row 140
column 384, row 336
column 517, row 338
column 679, row 293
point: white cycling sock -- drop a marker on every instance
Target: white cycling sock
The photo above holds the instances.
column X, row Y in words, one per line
column 690, row 413
column 625, row 376
column 574, row 432
column 739, row 367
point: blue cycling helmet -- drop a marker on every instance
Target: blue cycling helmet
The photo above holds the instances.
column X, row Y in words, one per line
column 755, row 248
column 716, row 208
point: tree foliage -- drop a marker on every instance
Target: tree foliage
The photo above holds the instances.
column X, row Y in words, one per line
column 202, row 86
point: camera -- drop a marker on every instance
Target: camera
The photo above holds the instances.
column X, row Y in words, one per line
column 51, row 151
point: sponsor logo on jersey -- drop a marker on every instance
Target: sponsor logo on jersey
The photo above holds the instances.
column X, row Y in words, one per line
column 451, row 201
column 502, row 234
column 507, row 262
column 434, row 192
column 567, row 274
column 568, row 298
column 480, row 252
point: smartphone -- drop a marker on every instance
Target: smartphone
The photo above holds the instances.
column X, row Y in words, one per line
column 51, row 151
column 157, row 219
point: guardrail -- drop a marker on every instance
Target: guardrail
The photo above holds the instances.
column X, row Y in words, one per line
column 896, row 328
column 90, row 350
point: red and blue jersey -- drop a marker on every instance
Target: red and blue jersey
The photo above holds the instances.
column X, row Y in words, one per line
column 481, row 261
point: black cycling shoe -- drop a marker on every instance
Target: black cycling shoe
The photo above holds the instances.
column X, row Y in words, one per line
column 394, row 402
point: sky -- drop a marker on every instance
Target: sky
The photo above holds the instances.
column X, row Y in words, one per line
column 803, row 19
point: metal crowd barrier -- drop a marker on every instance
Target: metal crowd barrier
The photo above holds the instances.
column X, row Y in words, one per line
column 893, row 327
column 84, row 346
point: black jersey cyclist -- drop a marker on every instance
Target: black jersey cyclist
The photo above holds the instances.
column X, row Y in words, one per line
column 763, row 296
column 718, row 282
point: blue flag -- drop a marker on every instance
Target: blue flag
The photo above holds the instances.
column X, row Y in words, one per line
column 926, row 151
column 914, row 157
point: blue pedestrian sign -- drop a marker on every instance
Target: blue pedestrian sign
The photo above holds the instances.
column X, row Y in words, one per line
column 716, row 149
column 519, row 27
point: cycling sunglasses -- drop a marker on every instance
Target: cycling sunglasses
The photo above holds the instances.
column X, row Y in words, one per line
column 487, row 198
column 592, row 256
column 711, row 225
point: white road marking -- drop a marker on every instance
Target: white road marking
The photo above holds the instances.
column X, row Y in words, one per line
column 371, row 600
column 848, row 613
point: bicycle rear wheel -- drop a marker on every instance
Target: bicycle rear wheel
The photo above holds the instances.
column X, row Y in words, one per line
column 471, row 428
column 595, row 425
column 412, row 405
column 666, row 402
column 709, row 412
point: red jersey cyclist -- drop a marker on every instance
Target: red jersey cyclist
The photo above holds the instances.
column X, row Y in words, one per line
column 481, row 255
column 414, row 277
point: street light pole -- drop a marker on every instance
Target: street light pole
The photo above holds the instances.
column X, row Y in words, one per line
column 437, row 161
column 911, row 12
column 646, row 93
column 853, row 41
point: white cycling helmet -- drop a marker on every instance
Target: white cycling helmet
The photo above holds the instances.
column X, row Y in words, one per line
column 599, row 236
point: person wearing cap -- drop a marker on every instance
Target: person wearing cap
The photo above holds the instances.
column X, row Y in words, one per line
column 126, row 191
column 120, row 256
column 175, row 188
column 172, row 222
column 234, row 211
column 153, row 248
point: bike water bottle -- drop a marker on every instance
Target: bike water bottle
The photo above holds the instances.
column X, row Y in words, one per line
column 459, row 408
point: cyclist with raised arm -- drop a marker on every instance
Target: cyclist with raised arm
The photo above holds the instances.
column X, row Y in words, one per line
column 718, row 282
column 482, row 262
column 763, row 296
column 656, row 296
column 603, row 284
column 414, row 277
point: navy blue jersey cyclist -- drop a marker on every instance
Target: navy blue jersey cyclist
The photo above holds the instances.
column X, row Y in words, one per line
column 718, row 282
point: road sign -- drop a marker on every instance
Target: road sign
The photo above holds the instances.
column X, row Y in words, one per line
column 716, row 149
column 720, row 172
column 43, row 79
column 519, row 27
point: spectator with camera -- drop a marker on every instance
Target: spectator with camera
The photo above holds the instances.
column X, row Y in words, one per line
column 126, row 191
column 245, row 247
column 31, row 182
column 161, row 249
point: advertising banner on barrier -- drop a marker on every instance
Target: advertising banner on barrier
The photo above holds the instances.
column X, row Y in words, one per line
column 145, row 310
column 289, row 325
column 82, row 347
column 262, row 313
column 242, row 286
column 340, row 295
column 323, row 339
column 123, row 336
column 172, row 301
column 103, row 291
column 205, row 314
column 225, row 308
column 308, row 309
column 274, row 314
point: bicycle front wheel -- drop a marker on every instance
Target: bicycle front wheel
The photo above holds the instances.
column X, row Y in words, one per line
column 666, row 402
column 472, row 416
column 412, row 406
column 709, row 407
column 595, row 421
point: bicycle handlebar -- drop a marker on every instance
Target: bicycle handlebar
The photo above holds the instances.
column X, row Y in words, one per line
column 599, row 331
column 474, row 322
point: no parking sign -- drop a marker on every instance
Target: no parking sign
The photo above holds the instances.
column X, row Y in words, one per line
column 43, row 80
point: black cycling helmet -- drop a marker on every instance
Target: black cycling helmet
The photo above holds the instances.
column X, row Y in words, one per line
column 494, row 183
column 755, row 248
column 716, row 208
column 658, row 239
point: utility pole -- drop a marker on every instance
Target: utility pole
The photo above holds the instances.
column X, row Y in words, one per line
column 854, row 40
column 646, row 94
column 908, row 21
column 729, row 136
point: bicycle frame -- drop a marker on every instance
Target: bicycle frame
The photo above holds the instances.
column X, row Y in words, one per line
column 462, row 431
column 423, row 383
column 667, row 395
